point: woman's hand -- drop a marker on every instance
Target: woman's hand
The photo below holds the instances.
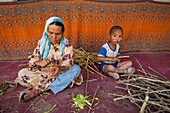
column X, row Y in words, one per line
column 54, row 71
column 42, row 63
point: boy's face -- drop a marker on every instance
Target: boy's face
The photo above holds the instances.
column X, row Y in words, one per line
column 116, row 36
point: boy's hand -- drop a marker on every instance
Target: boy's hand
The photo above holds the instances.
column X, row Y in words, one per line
column 116, row 59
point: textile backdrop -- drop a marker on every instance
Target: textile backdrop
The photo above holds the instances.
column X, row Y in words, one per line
column 146, row 25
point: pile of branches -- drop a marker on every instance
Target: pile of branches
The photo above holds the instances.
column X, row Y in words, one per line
column 83, row 57
column 151, row 93
column 86, row 60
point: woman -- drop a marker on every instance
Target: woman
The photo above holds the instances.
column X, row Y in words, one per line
column 50, row 64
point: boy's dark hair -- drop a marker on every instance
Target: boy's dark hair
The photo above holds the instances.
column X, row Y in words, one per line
column 114, row 28
column 59, row 24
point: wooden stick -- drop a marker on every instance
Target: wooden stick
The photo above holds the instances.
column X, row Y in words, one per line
column 144, row 103
column 97, row 72
column 125, row 97
column 153, row 103
column 92, row 80
column 86, row 91
column 123, row 56
column 32, row 104
column 20, row 65
column 157, row 73
column 50, row 109
column 94, row 96
column 140, row 66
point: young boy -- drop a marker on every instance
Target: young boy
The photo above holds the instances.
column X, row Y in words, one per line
column 108, row 55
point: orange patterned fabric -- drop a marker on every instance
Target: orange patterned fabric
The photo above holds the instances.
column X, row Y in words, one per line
column 146, row 25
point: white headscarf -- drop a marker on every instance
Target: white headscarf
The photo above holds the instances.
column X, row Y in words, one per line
column 45, row 42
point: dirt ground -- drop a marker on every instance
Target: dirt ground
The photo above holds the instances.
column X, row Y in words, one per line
column 102, row 88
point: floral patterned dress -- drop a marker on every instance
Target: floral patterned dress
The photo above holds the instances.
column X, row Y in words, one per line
column 38, row 77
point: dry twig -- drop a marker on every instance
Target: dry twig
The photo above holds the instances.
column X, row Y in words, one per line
column 86, row 60
column 152, row 91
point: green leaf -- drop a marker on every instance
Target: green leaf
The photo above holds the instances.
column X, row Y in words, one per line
column 81, row 101
column 1, row 92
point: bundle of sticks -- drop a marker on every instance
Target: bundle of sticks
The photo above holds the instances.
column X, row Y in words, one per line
column 86, row 60
column 80, row 56
column 151, row 93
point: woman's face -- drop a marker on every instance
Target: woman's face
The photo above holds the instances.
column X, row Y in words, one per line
column 55, row 33
column 116, row 36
